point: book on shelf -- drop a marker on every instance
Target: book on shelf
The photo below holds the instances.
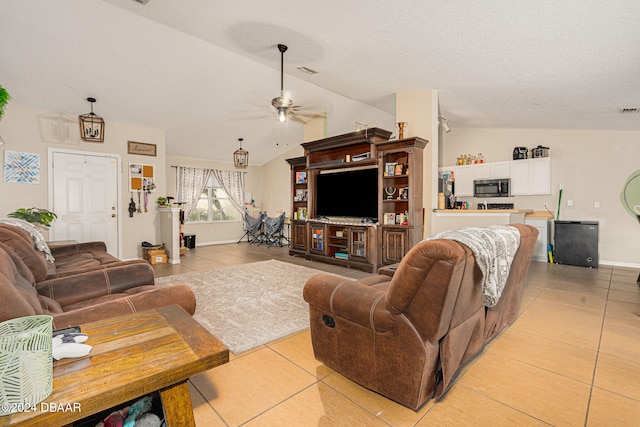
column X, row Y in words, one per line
column 342, row 255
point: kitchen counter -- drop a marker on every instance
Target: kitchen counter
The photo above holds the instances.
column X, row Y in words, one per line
column 451, row 219
column 540, row 215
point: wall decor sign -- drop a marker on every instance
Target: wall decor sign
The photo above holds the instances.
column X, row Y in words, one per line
column 141, row 148
column 22, row 168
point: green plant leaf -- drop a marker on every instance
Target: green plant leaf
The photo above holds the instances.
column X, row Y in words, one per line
column 34, row 215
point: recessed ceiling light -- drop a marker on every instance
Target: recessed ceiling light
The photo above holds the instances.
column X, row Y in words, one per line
column 307, row 70
column 626, row 110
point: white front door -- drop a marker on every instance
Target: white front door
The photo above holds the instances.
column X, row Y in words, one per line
column 85, row 198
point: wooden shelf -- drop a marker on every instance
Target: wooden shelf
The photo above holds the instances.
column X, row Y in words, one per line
column 368, row 246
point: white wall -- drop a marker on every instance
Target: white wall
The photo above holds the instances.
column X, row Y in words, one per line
column 34, row 131
column 592, row 166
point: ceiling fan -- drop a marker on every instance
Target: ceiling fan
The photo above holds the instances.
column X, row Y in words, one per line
column 283, row 104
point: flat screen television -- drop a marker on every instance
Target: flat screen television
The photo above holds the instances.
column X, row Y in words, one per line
column 352, row 193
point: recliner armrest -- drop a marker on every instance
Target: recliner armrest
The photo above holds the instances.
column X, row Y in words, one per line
column 354, row 301
column 80, row 287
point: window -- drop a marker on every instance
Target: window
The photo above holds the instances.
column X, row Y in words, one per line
column 213, row 205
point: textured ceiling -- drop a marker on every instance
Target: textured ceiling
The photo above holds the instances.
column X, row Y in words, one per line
column 206, row 70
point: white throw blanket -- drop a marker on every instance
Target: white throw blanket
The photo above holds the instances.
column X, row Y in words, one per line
column 494, row 248
column 38, row 239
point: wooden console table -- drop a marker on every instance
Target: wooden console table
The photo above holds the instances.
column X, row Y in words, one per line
column 133, row 356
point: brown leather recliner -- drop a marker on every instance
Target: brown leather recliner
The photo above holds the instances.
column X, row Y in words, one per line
column 406, row 336
column 87, row 297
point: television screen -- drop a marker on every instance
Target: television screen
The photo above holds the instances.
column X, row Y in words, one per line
column 351, row 193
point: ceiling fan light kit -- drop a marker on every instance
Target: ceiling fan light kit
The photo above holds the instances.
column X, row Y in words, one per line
column 91, row 125
column 282, row 104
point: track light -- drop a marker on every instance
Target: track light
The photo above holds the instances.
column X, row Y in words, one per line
column 444, row 122
column 361, row 126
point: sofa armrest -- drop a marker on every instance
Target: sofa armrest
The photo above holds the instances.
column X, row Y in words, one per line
column 354, row 301
column 80, row 287
column 74, row 248
column 180, row 295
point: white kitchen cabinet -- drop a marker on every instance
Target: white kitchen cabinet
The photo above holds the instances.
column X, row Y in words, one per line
column 492, row 170
column 531, row 177
column 463, row 178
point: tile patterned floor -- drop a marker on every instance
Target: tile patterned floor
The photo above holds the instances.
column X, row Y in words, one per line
column 572, row 358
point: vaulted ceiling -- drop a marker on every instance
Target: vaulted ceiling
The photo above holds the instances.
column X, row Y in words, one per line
column 206, row 71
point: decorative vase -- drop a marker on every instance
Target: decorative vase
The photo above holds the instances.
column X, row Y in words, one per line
column 401, row 126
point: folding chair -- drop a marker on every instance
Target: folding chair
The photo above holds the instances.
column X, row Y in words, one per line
column 253, row 227
column 273, row 230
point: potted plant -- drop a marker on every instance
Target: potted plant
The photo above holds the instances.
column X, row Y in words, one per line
column 34, row 215
column 163, row 202
column 4, row 99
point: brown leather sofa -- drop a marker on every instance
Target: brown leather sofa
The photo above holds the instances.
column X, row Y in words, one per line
column 70, row 259
column 86, row 297
column 407, row 336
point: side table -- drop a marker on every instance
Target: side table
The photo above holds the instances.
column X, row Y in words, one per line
column 133, row 356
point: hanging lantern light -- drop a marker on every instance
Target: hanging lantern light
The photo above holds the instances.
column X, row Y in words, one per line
column 240, row 156
column 91, row 125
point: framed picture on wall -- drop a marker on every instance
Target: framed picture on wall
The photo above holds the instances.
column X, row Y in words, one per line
column 141, row 148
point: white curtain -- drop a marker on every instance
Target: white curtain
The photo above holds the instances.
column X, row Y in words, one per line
column 191, row 182
column 233, row 183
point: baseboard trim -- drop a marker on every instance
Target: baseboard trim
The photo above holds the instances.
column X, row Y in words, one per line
column 219, row 242
column 620, row 264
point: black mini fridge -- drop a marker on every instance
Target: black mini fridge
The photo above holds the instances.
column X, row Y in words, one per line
column 576, row 243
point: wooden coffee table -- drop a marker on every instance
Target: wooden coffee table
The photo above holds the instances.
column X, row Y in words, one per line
column 133, row 356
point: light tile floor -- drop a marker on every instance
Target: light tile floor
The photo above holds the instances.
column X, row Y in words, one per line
column 572, row 358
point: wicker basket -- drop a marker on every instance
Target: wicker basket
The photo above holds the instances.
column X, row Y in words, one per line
column 147, row 249
column 26, row 362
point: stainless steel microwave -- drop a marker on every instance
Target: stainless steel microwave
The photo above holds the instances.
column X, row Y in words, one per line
column 492, row 187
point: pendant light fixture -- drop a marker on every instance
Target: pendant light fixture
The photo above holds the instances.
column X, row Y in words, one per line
column 91, row 125
column 240, row 156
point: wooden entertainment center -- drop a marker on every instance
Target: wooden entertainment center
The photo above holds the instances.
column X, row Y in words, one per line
column 364, row 243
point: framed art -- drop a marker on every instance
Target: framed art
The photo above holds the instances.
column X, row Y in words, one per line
column 22, row 168
column 389, row 218
column 301, row 177
column 141, row 148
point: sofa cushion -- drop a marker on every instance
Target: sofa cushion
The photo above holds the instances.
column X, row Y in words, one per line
column 18, row 297
column 20, row 242
column 49, row 305
column 34, row 233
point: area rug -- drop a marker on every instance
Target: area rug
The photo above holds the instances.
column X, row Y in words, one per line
column 249, row 305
